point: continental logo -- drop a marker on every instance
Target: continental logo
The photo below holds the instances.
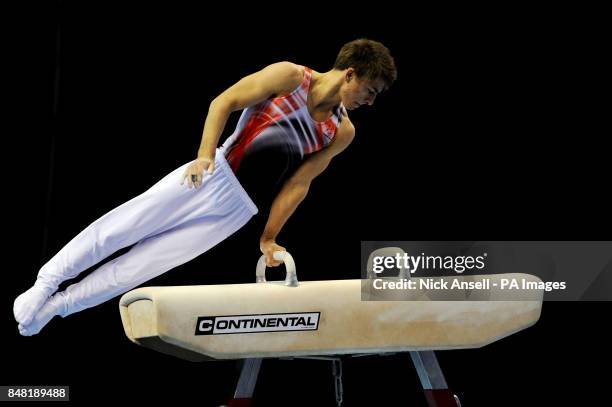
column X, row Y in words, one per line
column 239, row 324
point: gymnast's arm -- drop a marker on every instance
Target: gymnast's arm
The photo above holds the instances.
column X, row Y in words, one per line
column 295, row 189
column 277, row 79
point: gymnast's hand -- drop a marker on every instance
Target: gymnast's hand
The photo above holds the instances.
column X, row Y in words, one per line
column 195, row 171
column 268, row 247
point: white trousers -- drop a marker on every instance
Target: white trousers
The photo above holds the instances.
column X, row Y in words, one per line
column 170, row 223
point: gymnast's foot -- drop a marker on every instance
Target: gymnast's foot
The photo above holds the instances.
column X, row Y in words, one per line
column 56, row 305
column 27, row 304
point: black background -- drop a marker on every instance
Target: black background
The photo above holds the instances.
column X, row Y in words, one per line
column 492, row 132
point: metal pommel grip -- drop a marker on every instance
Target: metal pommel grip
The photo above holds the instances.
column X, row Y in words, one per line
column 291, row 279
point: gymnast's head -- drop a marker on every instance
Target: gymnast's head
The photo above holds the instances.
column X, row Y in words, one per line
column 368, row 69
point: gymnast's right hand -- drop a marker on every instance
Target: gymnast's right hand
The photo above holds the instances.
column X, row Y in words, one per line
column 195, row 171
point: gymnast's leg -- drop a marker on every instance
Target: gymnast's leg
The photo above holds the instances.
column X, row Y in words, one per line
column 164, row 206
column 121, row 227
column 146, row 260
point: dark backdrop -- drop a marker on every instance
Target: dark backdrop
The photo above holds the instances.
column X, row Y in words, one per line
column 491, row 132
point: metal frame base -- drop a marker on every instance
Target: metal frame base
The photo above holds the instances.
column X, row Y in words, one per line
column 432, row 379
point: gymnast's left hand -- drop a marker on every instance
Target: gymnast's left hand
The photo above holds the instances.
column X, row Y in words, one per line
column 268, row 247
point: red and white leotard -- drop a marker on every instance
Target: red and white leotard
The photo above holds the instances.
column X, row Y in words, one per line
column 274, row 137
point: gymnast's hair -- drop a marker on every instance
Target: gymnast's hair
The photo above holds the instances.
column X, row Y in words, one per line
column 370, row 59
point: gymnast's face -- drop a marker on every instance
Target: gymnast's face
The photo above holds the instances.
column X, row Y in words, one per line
column 357, row 91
